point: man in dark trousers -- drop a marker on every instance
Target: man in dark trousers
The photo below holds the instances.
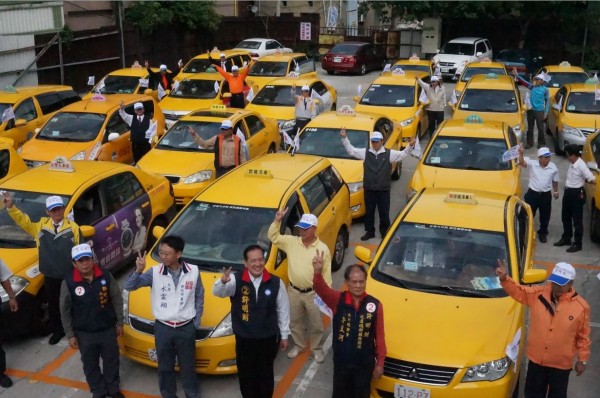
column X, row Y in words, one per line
column 91, row 305
column 55, row 236
column 377, row 173
column 358, row 332
column 163, row 77
column 5, row 274
column 260, row 314
column 140, row 126
column 224, row 63
column 236, row 81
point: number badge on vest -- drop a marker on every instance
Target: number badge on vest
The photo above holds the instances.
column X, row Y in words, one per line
column 79, row 290
column 371, row 307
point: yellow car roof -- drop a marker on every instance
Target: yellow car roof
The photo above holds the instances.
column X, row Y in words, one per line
column 261, row 182
column 280, row 57
column 217, row 115
column 485, row 64
column 40, row 179
column 581, row 87
column 464, row 128
column 409, row 61
column 289, row 81
column 497, row 82
column 10, row 97
column 215, row 54
column 397, row 79
column 358, row 121
column 564, row 67
column 102, row 107
column 136, row 72
column 204, row 76
column 431, row 206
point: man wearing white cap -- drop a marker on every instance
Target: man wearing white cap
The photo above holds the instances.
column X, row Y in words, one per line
column 228, row 148
column 559, row 330
column 91, row 306
column 436, row 94
column 236, row 82
column 225, row 63
column 305, row 108
column 543, row 185
column 377, row 174
column 54, row 236
column 140, row 126
column 163, row 77
column 301, row 250
column 540, row 105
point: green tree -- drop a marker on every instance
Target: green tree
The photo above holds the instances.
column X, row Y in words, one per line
column 149, row 15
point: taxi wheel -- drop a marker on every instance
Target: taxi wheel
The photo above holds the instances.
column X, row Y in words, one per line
column 595, row 224
column 397, row 171
column 272, row 148
column 330, row 72
column 363, row 69
column 339, row 250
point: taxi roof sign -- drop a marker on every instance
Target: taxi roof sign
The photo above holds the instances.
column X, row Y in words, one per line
column 136, row 65
column 61, row 163
column 98, row 97
column 414, row 57
column 564, row 64
column 345, row 110
column 218, row 108
column 465, row 198
column 293, row 75
column 264, row 173
column 473, row 119
column 398, row 71
column 491, row 75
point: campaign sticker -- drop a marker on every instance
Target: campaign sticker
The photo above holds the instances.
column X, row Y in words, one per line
column 79, row 290
column 267, row 292
column 371, row 307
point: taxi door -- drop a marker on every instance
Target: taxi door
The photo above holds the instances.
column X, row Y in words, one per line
column 28, row 117
column 118, row 150
column 556, row 105
column 420, row 113
column 10, row 162
column 524, row 237
column 591, row 157
column 326, row 97
column 258, row 143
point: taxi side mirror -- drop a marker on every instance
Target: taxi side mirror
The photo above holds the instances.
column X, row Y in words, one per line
column 37, row 130
column 363, row 254
column 87, row 231
column 113, row 136
column 158, row 231
column 592, row 165
column 20, row 122
column 148, row 91
column 355, row 98
column 534, row 276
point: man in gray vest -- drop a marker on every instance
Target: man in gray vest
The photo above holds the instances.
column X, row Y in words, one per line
column 377, row 174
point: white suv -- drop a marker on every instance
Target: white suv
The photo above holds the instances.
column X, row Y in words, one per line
column 457, row 51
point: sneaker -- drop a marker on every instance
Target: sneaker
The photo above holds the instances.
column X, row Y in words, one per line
column 318, row 355
column 56, row 337
column 574, row 248
column 5, row 381
column 367, row 236
column 562, row 242
column 293, row 353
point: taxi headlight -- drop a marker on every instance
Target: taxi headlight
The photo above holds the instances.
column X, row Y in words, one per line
column 225, row 328
column 200, row 176
column 18, row 284
column 354, row 187
column 407, row 122
column 78, row 156
column 571, row 131
column 125, row 295
column 489, row 371
column 287, row 124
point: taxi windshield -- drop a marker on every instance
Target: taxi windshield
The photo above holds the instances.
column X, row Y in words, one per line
column 442, row 259
column 199, row 65
column 559, row 79
column 217, row 234
column 276, row 96
column 265, row 68
column 179, row 137
column 470, row 72
column 466, row 153
column 115, row 84
column 196, row 89
column 389, row 95
column 72, row 126
column 583, row 103
column 31, row 203
column 415, row 67
column 489, row 101
column 323, row 141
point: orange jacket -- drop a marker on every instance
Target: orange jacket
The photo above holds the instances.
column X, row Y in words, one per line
column 557, row 335
column 236, row 83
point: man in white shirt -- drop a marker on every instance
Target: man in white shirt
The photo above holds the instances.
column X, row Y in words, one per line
column 305, row 108
column 260, row 316
column 543, row 185
column 140, row 130
column 573, row 199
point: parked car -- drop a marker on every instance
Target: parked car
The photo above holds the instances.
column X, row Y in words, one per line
column 457, row 51
column 525, row 61
column 259, row 47
column 353, row 56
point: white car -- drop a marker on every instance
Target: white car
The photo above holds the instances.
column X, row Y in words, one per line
column 461, row 51
column 259, row 47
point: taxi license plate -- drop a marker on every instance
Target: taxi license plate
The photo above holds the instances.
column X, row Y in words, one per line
column 152, row 355
column 445, row 70
column 337, row 59
column 401, row 391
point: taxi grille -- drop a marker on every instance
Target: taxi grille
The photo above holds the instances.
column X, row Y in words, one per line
column 173, row 179
column 418, row 372
column 587, row 131
column 446, row 64
column 147, row 327
column 143, row 355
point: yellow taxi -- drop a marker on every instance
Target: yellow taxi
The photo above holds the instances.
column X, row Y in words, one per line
column 275, row 100
column 24, row 109
column 321, row 137
column 114, row 205
column 133, row 80
column 201, row 62
column 452, row 322
column 273, row 66
column 483, row 67
column 574, row 114
column 90, row 130
column 191, row 168
column 232, row 213
column 414, row 63
column 396, row 95
column 591, row 156
column 468, row 155
column 10, row 162
column 493, row 97
column 561, row 74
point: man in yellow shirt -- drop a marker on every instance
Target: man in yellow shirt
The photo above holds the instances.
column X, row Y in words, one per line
column 300, row 252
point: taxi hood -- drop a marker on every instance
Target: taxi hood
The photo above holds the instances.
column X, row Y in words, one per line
column 276, row 112
column 350, row 169
column 176, row 163
column 18, row 260
column 503, row 182
column 171, row 104
column 581, row 120
column 47, row 150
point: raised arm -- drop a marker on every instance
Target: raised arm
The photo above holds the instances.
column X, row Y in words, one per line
column 358, row 153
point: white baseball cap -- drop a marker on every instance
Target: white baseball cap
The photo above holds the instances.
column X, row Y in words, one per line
column 53, row 202
column 82, row 250
column 376, row 136
column 163, row 67
column 222, row 55
column 539, row 76
column 305, row 88
column 307, row 221
column 138, row 105
column 234, row 68
column 544, row 151
column 562, row 274
column 226, row 124
column 435, row 79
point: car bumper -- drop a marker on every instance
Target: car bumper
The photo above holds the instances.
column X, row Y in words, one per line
column 566, row 139
column 341, row 67
column 184, row 193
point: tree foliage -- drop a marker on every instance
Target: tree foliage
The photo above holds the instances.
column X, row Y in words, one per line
column 192, row 15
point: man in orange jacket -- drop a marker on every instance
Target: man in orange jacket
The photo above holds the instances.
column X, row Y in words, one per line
column 559, row 330
column 236, row 83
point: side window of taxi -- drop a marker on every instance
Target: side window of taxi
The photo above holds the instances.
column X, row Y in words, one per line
column 115, row 125
column 315, row 194
column 26, row 110
column 4, row 162
column 118, row 190
column 245, row 59
column 332, row 180
column 521, row 223
column 385, row 127
column 240, row 126
column 237, row 60
column 595, row 144
column 290, row 219
column 512, row 137
column 89, row 209
column 49, row 102
column 319, row 88
column 255, row 125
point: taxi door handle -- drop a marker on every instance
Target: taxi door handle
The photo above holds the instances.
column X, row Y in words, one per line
column 333, row 209
column 145, row 204
column 110, row 227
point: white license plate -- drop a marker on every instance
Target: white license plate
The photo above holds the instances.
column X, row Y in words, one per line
column 445, row 70
column 337, row 59
column 401, row 391
column 152, row 355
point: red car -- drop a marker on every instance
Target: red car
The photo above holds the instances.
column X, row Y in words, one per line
column 353, row 56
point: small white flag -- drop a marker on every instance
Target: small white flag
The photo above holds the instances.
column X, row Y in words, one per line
column 323, row 307
column 511, row 154
column 287, row 139
column 161, row 92
column 559, row 105
column 100, row 86
column 176, row 85
column 250, row 95
column 437, row 71
column 216, row 86
column 151, row 132
column 144, row 83
column 297, row 68
column 359, row 90
column 243, row 142
column 91, row 80
column 417, row 151
column 512, row 349
column 527, row 100
column 8, row 114
column 460, row 68
column 453, row 99
column 296, row 144
column 423, row 98
column 597, row 95
column 387, row 68
column 547, row 77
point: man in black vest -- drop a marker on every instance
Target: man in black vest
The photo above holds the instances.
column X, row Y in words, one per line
column 224, row 63
column 358, row 332
column 91, row 306
column 377, row 174
column 260, row 314
column 140, row 130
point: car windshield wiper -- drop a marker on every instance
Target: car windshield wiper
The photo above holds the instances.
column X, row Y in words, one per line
column 457, row 291
column 472, row 168
column 400, row 282
column 439, row 165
